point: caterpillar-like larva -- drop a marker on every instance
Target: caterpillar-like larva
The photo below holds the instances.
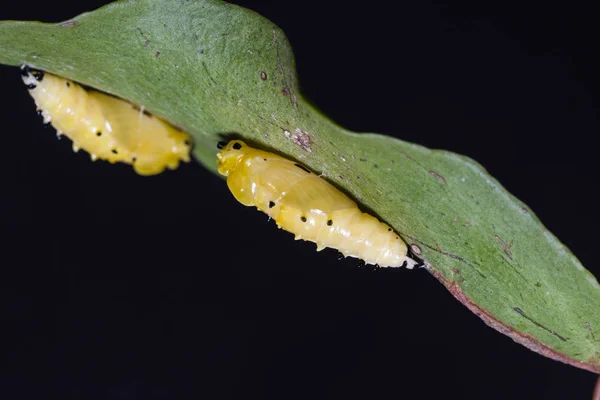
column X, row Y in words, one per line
column 106, row 127
column 303, row 203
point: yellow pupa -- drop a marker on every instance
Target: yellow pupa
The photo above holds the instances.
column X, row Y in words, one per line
column 303, row 203
column 106, row 127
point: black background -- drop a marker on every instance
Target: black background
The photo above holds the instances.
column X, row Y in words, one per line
column 115, row 286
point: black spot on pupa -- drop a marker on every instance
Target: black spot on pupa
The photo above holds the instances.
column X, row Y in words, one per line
column 25, row 70
column 303, row 168
column 271, row 204
column 68, row 84
column 237, row 146
column 38, row 75
column 98, row 133
column 265, row 159
column 329, row 222
column 133, row 159
column 303, row 218
column 114, row 151
column 220, row 145
column 187, row 142
column 389, row 229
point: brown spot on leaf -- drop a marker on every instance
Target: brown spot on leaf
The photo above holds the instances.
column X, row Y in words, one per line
column 438, row 176
column 300, row 138
column 263, row 75
column 415, row 249
column 506, row 246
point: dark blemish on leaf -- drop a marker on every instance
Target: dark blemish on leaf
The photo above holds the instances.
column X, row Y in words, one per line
column 517, row 309
column 286, row 86
column 438, row 176
column 415, row 249
column 524, row 210
column 303, row 168
column 69, row 24
column 506, row 247
column 271, row 204
column 456, row 270
column 157, row 53
column 447, row 254
column 376, row 165
column 363, row 159
column 303, row 219
column 589, row 328
column 302, row 139
column 146, row 43
column 537, row 284
column 208, row 73
column 263, row 75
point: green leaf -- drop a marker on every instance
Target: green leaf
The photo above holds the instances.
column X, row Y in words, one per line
column 214, row 69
